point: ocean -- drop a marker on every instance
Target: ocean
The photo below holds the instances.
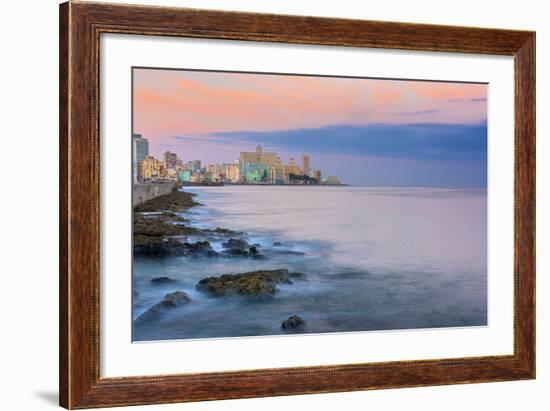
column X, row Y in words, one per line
column 373, row 259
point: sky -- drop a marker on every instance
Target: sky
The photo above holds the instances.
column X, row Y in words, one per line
column 364, row 131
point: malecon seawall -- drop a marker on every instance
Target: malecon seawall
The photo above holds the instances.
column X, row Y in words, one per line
column 144, row 192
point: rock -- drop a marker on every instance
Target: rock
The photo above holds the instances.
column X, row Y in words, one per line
column 235, row 243
column 170, row 301
column 159, row 227
column 260, row 283
column 157, row 246
column 277, row 244
column 293, row 322
column 297, row 275
column 175, row 201
column 162, row 280
column 241, row 248
column 175, row 299
column 200, row 248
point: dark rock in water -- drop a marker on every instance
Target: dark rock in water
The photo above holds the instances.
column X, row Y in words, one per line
column 162, row 280
column 236, row 252
column 159, row 226
column 237, row 247
column 235, row 243
column 157, row 246
column 175, row 201
column 277, row 244
column 260, row 283
column 200, row 248
column 293, row 322
column 175, row 299
column 172, row 300
column 297, row 275
column 135, row 294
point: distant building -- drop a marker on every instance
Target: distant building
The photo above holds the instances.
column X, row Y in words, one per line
column 140, row 150
column 292, row 168
column 232, row 173
column 276, row 174
column 193, row 166
column 316, row 174
column 255, row 173
column 305, row 165
column 170, row 160
column 184, row 176
column 258, row 157
column 332, row 180
column 150, row 168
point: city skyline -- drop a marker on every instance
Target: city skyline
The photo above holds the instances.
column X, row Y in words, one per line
column 368, row 132
column 254, row 167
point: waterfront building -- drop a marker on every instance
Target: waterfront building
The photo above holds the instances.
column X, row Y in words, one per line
column 232, row 173
column 276, row 174
column 140, row 150
column 305, row 165
column 170, row 160
column 316, row 174
column 255, row 173
column 184, row 176
column 258, row 157
column 193, row 166
column 332, row 180
column 195, row 177
column 150, row 168
column 292, row 168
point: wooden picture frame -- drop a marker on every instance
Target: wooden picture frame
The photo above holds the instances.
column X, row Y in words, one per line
column 80, row 27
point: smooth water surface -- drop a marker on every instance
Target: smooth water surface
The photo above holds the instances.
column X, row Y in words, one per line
column 375, row 258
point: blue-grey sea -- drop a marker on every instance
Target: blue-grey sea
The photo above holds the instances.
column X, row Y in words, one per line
column 374, row 258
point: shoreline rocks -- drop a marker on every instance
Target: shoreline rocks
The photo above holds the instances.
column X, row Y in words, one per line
column 170, row 301
column 162, row 280
column 237, row 247
column 292, row 323
column 261, row 283
column 175, row 201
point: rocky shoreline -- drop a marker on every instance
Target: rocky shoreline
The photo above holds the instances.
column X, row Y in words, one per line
column 160, row 232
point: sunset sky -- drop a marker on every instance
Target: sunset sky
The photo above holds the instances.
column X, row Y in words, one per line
column 365, row 131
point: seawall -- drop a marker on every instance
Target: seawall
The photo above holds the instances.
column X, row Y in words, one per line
column 144, row 192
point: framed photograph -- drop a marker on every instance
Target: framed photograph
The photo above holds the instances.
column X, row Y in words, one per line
column 259, row 205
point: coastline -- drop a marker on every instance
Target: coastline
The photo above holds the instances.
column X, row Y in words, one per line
column 160, row 231
column 200, row 280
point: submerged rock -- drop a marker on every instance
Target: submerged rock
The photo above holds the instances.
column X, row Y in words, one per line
column 200, row 248
column 162, row 280
column 235, row 243
column 277, row 244
column 260, row 283
column 170, row 301
column 237, row 247
column 293, row 322
column 163, row 247
column 157, row 246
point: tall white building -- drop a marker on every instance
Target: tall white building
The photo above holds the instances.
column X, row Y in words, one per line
column 140, row 151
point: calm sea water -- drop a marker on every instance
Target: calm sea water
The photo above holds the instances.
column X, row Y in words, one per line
column 376, row 258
